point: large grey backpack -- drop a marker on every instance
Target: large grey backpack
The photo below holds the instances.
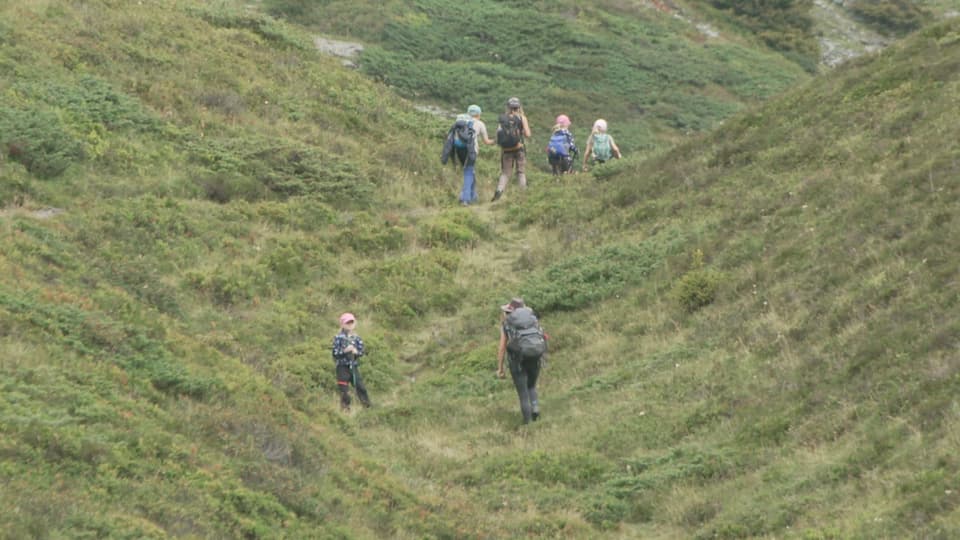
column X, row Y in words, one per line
column 524, row 336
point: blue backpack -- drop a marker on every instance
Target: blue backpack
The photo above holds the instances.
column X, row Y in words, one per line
column 559, row 144
column 463, row 133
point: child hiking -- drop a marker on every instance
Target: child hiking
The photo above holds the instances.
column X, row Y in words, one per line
column 512, row 130
column 524, row 343
column 561, row 151
column 600, row 146
column 347, row 350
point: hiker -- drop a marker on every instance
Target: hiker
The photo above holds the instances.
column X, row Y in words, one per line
column 468, row 194
column 561, row 151
column 523, row 341
column 513, row 128
column 600, row 145
column 459, row 142
column 347, row 350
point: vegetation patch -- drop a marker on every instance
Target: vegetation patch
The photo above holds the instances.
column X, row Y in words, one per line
column 579, row 281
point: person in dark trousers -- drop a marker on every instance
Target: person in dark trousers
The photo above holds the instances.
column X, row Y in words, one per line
column 524, row 368
column 561, row 150
column 347, row 350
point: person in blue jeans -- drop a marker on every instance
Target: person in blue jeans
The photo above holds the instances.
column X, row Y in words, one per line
column 468, row 194
column 347, row 350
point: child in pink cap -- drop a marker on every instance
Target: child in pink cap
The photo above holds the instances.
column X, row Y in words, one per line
column 561, row 150
column 347, row 350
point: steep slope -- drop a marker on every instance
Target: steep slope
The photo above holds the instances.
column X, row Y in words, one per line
column 755, row 337
column 656, row 73
column 182, row 184
column 751, row 335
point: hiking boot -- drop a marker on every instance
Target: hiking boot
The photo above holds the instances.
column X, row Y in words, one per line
column 496, row 195
column 535, row 416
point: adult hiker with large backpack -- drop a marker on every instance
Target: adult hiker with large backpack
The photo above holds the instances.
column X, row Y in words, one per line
column 347, row 350
column 459, row 142
column 524, row 343
column 561, row 150
column 512, row 131
column 468, row 194
column 600, row 146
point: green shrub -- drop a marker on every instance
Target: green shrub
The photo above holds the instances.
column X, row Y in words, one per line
column 287, row 264
column 698, row 287
column 579, row 281
column 784, row 26
column 90, row 102
column 573, row 469
column 609, row 169
column 305, row 213
column 254, row 168
column 16, row 187
column 39, row 140
column 604, row 512
column 227, row 285
column 452, row 230
column 365, row 236
column 553, row 206
column 303, row 368
column 891, row 17
column 408, row 287
column 226, row 16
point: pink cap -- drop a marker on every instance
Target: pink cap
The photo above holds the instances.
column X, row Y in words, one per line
column 347, row 318
column 563, row 121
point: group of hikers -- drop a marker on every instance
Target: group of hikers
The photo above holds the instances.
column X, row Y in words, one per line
column 523, row 343
column 463, row 139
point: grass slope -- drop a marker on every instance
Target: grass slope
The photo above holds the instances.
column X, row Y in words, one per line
column 751, row 335
column 788, row 368
column 184, row 186
column 655, row 74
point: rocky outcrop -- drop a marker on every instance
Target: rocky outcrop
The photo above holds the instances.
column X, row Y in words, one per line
column 842, row 37
column 346, row 50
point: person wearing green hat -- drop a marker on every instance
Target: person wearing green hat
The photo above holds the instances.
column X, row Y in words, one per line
column 468, row 194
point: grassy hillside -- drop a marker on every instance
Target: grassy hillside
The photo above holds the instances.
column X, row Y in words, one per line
column 789, row 367
column 656, row 74
column 751, row 334
column 189, row 192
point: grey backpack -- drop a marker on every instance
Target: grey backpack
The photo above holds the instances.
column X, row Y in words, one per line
column 524, row 336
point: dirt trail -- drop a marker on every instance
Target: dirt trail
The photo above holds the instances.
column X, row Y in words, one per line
column 42, row 213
